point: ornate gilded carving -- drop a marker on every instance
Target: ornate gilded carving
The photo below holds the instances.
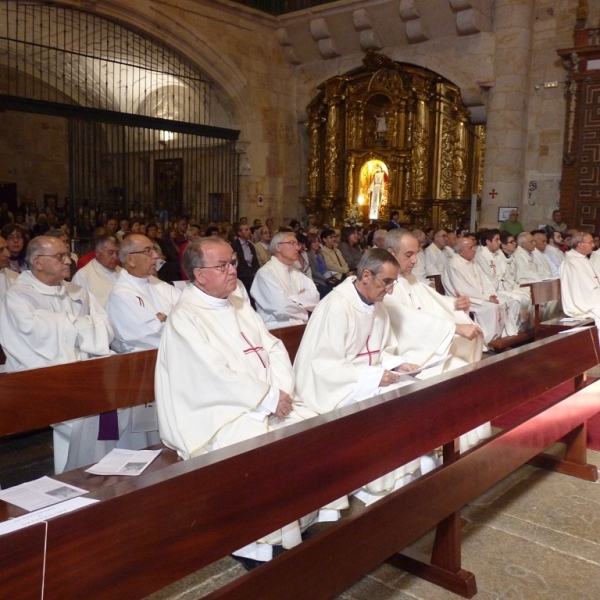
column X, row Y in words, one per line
column 405, row 118
column 459, row 159
column 448, row 136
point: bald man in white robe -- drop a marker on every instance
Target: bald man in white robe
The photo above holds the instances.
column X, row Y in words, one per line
column 100, row 275
column 446, row 328
column 284, row 296
column 221, row 377
column 47, row 321
column 428, row 325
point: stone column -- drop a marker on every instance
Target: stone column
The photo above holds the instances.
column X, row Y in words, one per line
column 506, row 137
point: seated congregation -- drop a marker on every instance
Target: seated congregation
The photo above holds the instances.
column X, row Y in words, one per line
column 371, row 326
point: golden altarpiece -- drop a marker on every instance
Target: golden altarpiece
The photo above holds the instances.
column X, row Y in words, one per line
column 392, row 136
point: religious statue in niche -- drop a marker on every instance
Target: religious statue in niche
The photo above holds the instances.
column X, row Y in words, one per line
column 376, row 191
column 374, row 187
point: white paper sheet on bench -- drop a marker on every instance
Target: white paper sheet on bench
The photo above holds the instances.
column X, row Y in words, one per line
column 124, row 462
column 39, row 493
column 434, row 361
column 44, row 514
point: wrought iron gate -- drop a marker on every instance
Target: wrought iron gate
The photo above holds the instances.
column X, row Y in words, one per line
column 141, row 118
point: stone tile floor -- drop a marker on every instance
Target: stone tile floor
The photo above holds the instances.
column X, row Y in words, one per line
column 534, row 536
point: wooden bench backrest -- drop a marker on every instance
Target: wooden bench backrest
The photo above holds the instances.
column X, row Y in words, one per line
column 437, row 281
column 154, row 529
column 291, row 338
column 544, row 291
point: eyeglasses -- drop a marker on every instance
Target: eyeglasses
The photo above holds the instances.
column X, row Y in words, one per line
column 148, row 250
column 224, row 266
column 388, row 283
column 296, row 244
column 60, row 256
column 16, row 236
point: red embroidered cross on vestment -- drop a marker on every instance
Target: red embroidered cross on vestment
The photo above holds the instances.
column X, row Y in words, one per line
column 254, row 349
column 368, row 353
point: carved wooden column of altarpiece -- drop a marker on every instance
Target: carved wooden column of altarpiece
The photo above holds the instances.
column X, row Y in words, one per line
column 580, row 184
column 405, row 121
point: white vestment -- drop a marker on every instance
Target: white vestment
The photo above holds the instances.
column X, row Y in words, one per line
column 97, row 280
column 542, row 264
column 411, row 292
column 41, row 326
column 424, row 323
column 465, row 277
column 595, row 260
column 420, row 268
column 580, row 287
column 495, row 267
column 283, row 295
column 218, row 376
column 7, row 278
column 555, row 257
column 526, row 270
column 132, row 307
column 436, row 260
column 345, row 349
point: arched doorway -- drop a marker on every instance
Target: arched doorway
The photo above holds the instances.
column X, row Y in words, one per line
column 134, row 127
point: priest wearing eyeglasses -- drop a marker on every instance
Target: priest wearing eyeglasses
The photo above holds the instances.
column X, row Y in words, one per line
column 139, row 303
column 221, row 377
column 349, row 352
column 284, row 296
column 47, row 321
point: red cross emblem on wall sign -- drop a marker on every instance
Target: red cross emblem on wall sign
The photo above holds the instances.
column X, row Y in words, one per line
column 493, row 193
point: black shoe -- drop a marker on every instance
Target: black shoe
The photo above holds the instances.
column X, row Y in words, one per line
column 248, row 563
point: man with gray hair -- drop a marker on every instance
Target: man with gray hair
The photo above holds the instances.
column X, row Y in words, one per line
column 420, row 268
column 138, row 306
column 46, row 321
column 284, row 296
column 100, row 275
column 463, row 276
column 221, row 377
column 526, row 269
column 349, row 352
column 139, row 302
column 379, row 238
column 580, row 279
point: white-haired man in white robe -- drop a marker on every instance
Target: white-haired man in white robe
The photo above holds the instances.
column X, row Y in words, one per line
column 284, row 296
column 463, row 276
column 580, row 280
column 349, row 352
column 47, row 321
column 221, row 377
column 138, row 307
column 100, row 275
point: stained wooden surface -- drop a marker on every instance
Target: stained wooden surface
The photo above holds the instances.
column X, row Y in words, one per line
column 151, row 530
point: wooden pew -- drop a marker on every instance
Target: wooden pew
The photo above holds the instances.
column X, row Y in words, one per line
column 149, row 531
column 541, row 293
